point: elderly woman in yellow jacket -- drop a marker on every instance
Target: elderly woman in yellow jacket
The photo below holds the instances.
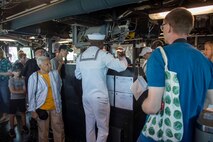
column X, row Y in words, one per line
column 45, row 100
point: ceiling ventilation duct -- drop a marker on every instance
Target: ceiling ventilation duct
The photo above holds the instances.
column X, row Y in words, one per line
column 67, row 8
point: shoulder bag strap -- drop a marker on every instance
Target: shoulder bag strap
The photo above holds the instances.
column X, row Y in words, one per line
column 164, row 57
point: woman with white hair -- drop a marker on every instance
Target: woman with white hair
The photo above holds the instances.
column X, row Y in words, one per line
column 44, row 99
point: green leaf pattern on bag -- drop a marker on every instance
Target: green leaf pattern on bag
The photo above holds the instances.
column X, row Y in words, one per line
column 178, row 136
column 176, row 102
column 177, row 125
column 167, row 111
column 167, row 100
column 151, row 131
column 167, row 125
column 159, row 133
column 175, row 90
column 154, row 121
column 177, row 114
column 168, row 88
column 167, row 122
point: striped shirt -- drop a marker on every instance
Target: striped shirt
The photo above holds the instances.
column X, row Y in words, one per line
column 37, row 93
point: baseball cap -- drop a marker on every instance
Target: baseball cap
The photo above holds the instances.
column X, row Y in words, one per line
column 96, row 36
column 145, row 50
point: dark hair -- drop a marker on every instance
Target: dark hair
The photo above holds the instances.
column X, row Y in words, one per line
column 38, row 48
column 181, row 20
column 17, row 67
column 64, row 47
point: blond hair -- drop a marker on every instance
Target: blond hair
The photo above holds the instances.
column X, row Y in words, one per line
column 210, row 43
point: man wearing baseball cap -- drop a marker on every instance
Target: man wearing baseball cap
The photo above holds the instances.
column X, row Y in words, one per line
column 145, row 53
column 92, row 66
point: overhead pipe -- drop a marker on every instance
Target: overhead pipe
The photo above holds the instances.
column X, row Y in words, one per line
column 65, row 9
column 31, row 10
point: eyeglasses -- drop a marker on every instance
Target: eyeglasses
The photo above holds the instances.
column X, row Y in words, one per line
column 162, row 26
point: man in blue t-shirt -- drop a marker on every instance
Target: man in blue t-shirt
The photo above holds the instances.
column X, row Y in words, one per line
column 194, row 72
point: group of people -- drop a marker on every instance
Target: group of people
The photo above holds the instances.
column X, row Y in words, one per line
column 18, row 83
column 194, row 72
column 13, row 90
column 43, row 82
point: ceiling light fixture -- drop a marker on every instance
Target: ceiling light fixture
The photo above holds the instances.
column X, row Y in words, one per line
column 63, row 41
column 31, row 10
column 27, row 10
column 7, row 39
column 194, row 11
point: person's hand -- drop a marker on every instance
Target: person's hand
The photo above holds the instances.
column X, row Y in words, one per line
column 34, row 115
column 9, row 73
column 121, row 54
column 61, row 62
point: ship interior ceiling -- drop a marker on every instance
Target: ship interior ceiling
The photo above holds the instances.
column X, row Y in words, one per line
column 17, row 19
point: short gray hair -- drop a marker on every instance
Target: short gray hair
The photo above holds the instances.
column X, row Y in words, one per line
column 41, row 59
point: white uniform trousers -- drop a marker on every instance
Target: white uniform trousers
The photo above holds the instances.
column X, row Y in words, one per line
column 97, row 110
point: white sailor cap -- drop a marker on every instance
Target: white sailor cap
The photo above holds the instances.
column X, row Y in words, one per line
column 145, row 50
column 96, row 36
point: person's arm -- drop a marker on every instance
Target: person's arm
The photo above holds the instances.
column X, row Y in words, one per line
column 77, row 70
column 156, row 83
column 6, row 73
column 152, row 103
column 31, row 92
column 60, row 63
column 17, row 91
column 58, row 80
column 119, row 64
column 31, row 96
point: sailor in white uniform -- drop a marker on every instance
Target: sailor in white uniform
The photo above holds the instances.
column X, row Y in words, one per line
column 92, row 66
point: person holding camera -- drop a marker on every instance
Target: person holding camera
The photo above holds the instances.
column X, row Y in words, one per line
column 45, row 101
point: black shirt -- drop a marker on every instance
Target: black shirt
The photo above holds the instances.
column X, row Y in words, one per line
column 30, row 67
